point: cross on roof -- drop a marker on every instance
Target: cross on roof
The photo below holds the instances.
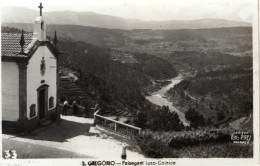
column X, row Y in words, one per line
column 40, row 9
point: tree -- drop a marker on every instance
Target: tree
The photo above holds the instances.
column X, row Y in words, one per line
column 165, row 120
column 246, row 107
column 174, row 122
column 209, row 121
column 220, row 115
column 194, row 117
column 140, row 119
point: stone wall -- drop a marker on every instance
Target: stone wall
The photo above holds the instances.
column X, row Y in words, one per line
column 29, row 125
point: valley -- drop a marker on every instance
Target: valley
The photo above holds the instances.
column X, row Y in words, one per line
column 162, row 80
column 159, row 98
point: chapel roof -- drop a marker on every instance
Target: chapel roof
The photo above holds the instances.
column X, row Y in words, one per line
column 10, row 44
column 11, row 49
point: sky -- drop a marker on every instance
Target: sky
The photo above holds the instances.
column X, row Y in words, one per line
column 238, row 10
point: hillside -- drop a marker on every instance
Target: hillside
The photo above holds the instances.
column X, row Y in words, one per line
column 14, row 14
column 126, row 71
column 236, row 41
column 111, row 83
column 115, row 67
column 221, row 95
column 114, row 84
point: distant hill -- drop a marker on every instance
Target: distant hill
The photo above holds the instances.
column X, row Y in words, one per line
column 25, row 15
column 222, row 95
column 138, row 40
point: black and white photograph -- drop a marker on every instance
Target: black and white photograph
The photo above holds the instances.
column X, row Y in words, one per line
column 127, row 82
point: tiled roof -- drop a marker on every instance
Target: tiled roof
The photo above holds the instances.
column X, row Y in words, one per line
column 10, row 44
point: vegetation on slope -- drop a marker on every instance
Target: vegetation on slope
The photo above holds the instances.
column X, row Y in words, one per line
column 156, row 42
column 114, row 85
column 219, row 96
column 220, row 92
column 160, row 119
column 199, row 143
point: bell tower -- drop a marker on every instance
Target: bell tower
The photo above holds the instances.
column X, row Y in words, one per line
column 39, row 32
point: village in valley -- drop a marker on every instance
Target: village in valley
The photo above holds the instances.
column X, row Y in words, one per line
column 80, row 91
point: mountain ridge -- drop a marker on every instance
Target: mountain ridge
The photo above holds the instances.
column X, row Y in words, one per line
column 85, row 18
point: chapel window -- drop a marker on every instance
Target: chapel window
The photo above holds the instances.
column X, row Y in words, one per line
column 51, row 102
column 42, row 23
column 32, row 110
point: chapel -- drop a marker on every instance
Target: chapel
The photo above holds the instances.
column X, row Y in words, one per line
column 29, row 78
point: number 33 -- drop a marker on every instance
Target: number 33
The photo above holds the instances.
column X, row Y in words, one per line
column 10, row 154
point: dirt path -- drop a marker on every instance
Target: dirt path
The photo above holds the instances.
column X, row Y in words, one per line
column 72, row 137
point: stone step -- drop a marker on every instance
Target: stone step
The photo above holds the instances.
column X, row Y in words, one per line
column 65, row 80
column 68, row 84
column 110, row 114
column 125, row 113
column 80, row 93
column 69, row 88
column 120, row 112
column 62, row 78
column 128, row 114
column 70, row 91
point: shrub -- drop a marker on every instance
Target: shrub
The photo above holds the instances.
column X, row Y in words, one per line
column 165, row 120
column 154, row 148
column 195, row 118
column 141, row 119
column 212, row 142
column 220, row 115
column 197, row 137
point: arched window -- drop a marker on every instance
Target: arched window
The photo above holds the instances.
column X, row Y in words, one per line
column 32, row 110
column 51, row 102
column 42, row 23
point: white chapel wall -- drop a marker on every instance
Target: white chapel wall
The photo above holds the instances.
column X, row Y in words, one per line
column 34, row 76
column 10, row 91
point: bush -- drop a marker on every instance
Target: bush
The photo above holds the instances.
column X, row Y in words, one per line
column 220, row 115
column 141, row 119
column 195, row 118
column 154, row 148
column 197, row 137
column 212, row 142
column 165, row 120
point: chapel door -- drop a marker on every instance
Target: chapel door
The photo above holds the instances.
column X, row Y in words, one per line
column 41, row 101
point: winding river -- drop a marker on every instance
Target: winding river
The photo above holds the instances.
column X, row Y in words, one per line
column 159, row 98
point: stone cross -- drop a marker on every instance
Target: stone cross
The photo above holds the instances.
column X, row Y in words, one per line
column 40, row 9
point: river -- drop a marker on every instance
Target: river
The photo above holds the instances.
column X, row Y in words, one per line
column 159, row 98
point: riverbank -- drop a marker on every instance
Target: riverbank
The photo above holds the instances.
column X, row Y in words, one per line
column 159, row 98
column 156, row 86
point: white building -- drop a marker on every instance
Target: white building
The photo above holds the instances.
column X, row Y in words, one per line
column 29, row 79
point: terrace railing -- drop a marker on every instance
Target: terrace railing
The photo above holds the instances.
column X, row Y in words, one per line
column 115, row 126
